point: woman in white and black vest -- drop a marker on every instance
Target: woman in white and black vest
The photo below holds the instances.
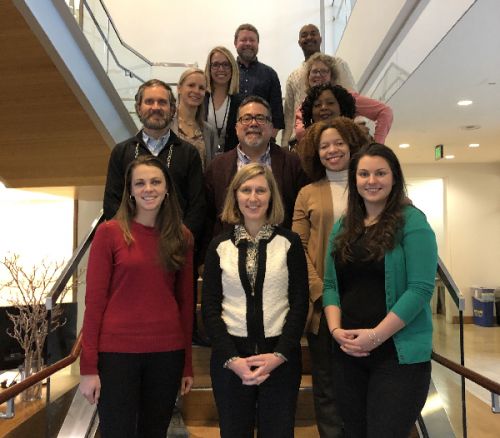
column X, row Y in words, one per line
column 254, row 303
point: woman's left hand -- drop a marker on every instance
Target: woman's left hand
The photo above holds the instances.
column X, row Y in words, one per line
column 263, row 365
column 360, row 342
column 186, row 385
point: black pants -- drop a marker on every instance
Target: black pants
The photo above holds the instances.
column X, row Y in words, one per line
column 328, row 418
column 378, row 397
column 138, row 392
column 272, row 403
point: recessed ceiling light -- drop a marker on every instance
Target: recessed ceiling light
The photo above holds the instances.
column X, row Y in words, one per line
column 464, row 102
column 474, row 145
column 404, row 145
column 449, row 157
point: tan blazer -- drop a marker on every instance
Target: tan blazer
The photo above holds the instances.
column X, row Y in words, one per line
column 313, row 221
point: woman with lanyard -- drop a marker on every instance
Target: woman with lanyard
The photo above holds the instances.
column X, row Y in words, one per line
column 222, row 98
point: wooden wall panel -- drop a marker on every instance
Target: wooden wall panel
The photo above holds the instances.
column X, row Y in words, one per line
column 46, row 137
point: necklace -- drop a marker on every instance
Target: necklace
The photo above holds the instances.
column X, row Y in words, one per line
column 219, row 130
column 169, row 155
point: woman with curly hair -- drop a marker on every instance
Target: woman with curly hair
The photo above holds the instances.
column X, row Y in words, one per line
column 325, row 153
column 379, row 278
column 321, row 69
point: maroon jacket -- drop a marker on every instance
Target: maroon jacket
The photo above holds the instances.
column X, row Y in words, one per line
column 287, row 171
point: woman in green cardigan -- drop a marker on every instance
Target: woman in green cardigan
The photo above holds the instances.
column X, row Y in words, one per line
column 379, row 279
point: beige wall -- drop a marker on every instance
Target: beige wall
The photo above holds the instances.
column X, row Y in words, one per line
column 471, row 244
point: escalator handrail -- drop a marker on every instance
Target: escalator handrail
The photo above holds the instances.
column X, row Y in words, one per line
column 16, row 389
column 469, row 374
column 72, row 264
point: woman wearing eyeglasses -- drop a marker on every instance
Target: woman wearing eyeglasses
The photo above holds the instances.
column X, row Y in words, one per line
column 222, row 98
column 321, row 69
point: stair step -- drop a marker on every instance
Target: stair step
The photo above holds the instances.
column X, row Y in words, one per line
column 198, row 407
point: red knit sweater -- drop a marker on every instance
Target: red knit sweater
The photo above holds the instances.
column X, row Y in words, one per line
column 132, row 304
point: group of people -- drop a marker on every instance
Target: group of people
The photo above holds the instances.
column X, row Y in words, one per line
column 322, row 240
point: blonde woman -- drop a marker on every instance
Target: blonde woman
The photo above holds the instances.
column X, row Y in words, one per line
column 189, row 122
column 222, row 98
column 254, row 306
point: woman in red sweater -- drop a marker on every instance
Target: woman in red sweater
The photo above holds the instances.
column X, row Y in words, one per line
column 138, row 318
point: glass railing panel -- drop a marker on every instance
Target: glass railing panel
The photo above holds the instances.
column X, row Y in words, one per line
column 342, row 11
column 394, row 77
column 442, row 413
column 446, row 322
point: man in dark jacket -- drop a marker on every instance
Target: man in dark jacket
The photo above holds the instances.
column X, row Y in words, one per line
column 254, row 130
column 155, row 106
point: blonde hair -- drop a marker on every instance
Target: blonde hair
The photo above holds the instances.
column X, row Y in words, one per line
column 234, row 83
column 231, row 212
column 328, row 60
column 200, row 111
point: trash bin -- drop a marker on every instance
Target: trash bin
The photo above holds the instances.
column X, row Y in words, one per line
column 483, row 301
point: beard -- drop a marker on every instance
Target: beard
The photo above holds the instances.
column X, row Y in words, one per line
column 247, row 55
column 149, row 122
column 254, row 141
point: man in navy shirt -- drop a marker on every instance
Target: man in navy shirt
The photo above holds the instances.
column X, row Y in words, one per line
column 257, row 78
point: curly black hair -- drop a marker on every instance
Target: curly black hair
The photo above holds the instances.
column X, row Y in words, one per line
column 345, row 99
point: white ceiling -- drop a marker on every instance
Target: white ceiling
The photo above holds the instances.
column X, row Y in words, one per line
column 464, row 65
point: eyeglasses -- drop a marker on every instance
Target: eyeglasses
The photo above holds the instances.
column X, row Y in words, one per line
column 218, row 65
column 261, row 119
column 320, row 72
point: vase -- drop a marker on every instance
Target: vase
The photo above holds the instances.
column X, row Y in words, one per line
column 29, row 367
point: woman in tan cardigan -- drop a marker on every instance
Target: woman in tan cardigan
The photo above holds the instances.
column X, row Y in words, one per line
column 325, row 153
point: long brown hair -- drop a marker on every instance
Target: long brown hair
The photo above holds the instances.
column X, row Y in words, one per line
column 173, row 242
column 382, row 236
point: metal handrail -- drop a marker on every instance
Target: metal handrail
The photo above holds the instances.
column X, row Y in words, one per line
column 70, row 267
column 450, row 284
column 127, row 71
column 469, row 374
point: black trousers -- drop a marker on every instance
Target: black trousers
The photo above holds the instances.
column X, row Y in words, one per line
column 271, row 404
column 328, row 418
column 138, row 392
column 378, row 397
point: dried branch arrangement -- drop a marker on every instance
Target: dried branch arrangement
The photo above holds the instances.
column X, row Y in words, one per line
column 30, row 319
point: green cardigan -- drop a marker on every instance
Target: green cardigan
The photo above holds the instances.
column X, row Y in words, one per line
column 410, row 270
